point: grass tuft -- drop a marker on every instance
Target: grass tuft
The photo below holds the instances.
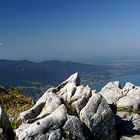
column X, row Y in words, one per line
column 13, row 102
column 128, row 109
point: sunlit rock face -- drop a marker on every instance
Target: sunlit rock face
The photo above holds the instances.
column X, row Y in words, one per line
column 68, row 111
column 126, row 107
column 127, row 97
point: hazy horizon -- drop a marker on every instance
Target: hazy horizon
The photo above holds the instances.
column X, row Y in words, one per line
column 74, row 30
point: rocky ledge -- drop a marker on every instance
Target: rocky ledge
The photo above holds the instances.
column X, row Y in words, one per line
column 72, row 111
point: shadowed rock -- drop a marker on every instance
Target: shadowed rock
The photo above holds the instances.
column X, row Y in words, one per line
column 126, row 100
column 6, row 131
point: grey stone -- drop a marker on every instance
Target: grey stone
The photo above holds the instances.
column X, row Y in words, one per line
column 6, row 131
column 112, row 92
column 74, row 129
column 98, row 117
column 69, row 111
column 51, row 122
column 128, row 86
column 128, row 102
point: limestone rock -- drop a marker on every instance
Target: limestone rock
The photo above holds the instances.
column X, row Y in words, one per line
column 81, row 97
column 133, row 118
column 56, row 135
column 128, row 125
column 6, row 131
column 75, row 79
column 126, row 97
column 74, row 128
column 69, row 111
column 44, row 126
column 112, row 92
column 131, row 99
column 128, row 102
column 98, row 117
column 41, row 107
column 128, row 86
column 134, row 93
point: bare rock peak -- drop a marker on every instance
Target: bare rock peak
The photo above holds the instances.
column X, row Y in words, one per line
column 69, row 111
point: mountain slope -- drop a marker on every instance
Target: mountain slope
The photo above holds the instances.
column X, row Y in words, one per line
column 21, row 72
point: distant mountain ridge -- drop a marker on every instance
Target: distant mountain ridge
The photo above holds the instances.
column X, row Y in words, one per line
column 21, row 72
column 34, row 77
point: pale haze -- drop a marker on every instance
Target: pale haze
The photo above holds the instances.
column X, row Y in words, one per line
column 76, row 30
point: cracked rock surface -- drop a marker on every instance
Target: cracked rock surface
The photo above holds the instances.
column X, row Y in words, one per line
column 69, row 111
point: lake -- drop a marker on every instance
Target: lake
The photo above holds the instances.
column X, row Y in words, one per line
column 133, row 78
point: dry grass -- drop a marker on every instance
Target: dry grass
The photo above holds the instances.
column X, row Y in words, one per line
column 129, row 109
column 13, row 102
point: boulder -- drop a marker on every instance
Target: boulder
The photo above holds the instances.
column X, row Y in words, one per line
column 128, row 102
column 128, row 86
column 131, row 98
column 68, row 111
column 99, row 118
column 44, row 126
column 112, row 92
column 74, row 129
column 126, row 97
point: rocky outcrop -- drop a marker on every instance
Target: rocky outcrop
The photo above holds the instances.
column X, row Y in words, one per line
column 126, row 102
column 68, row 111
column 6, row 131
column 131, row 99
column 72, row 111
column 98, row 117
column 127, row 97
column 112, row 92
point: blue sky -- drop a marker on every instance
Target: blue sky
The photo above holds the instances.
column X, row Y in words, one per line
column 76, row 30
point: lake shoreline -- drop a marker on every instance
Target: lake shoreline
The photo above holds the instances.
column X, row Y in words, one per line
column 133, row 78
